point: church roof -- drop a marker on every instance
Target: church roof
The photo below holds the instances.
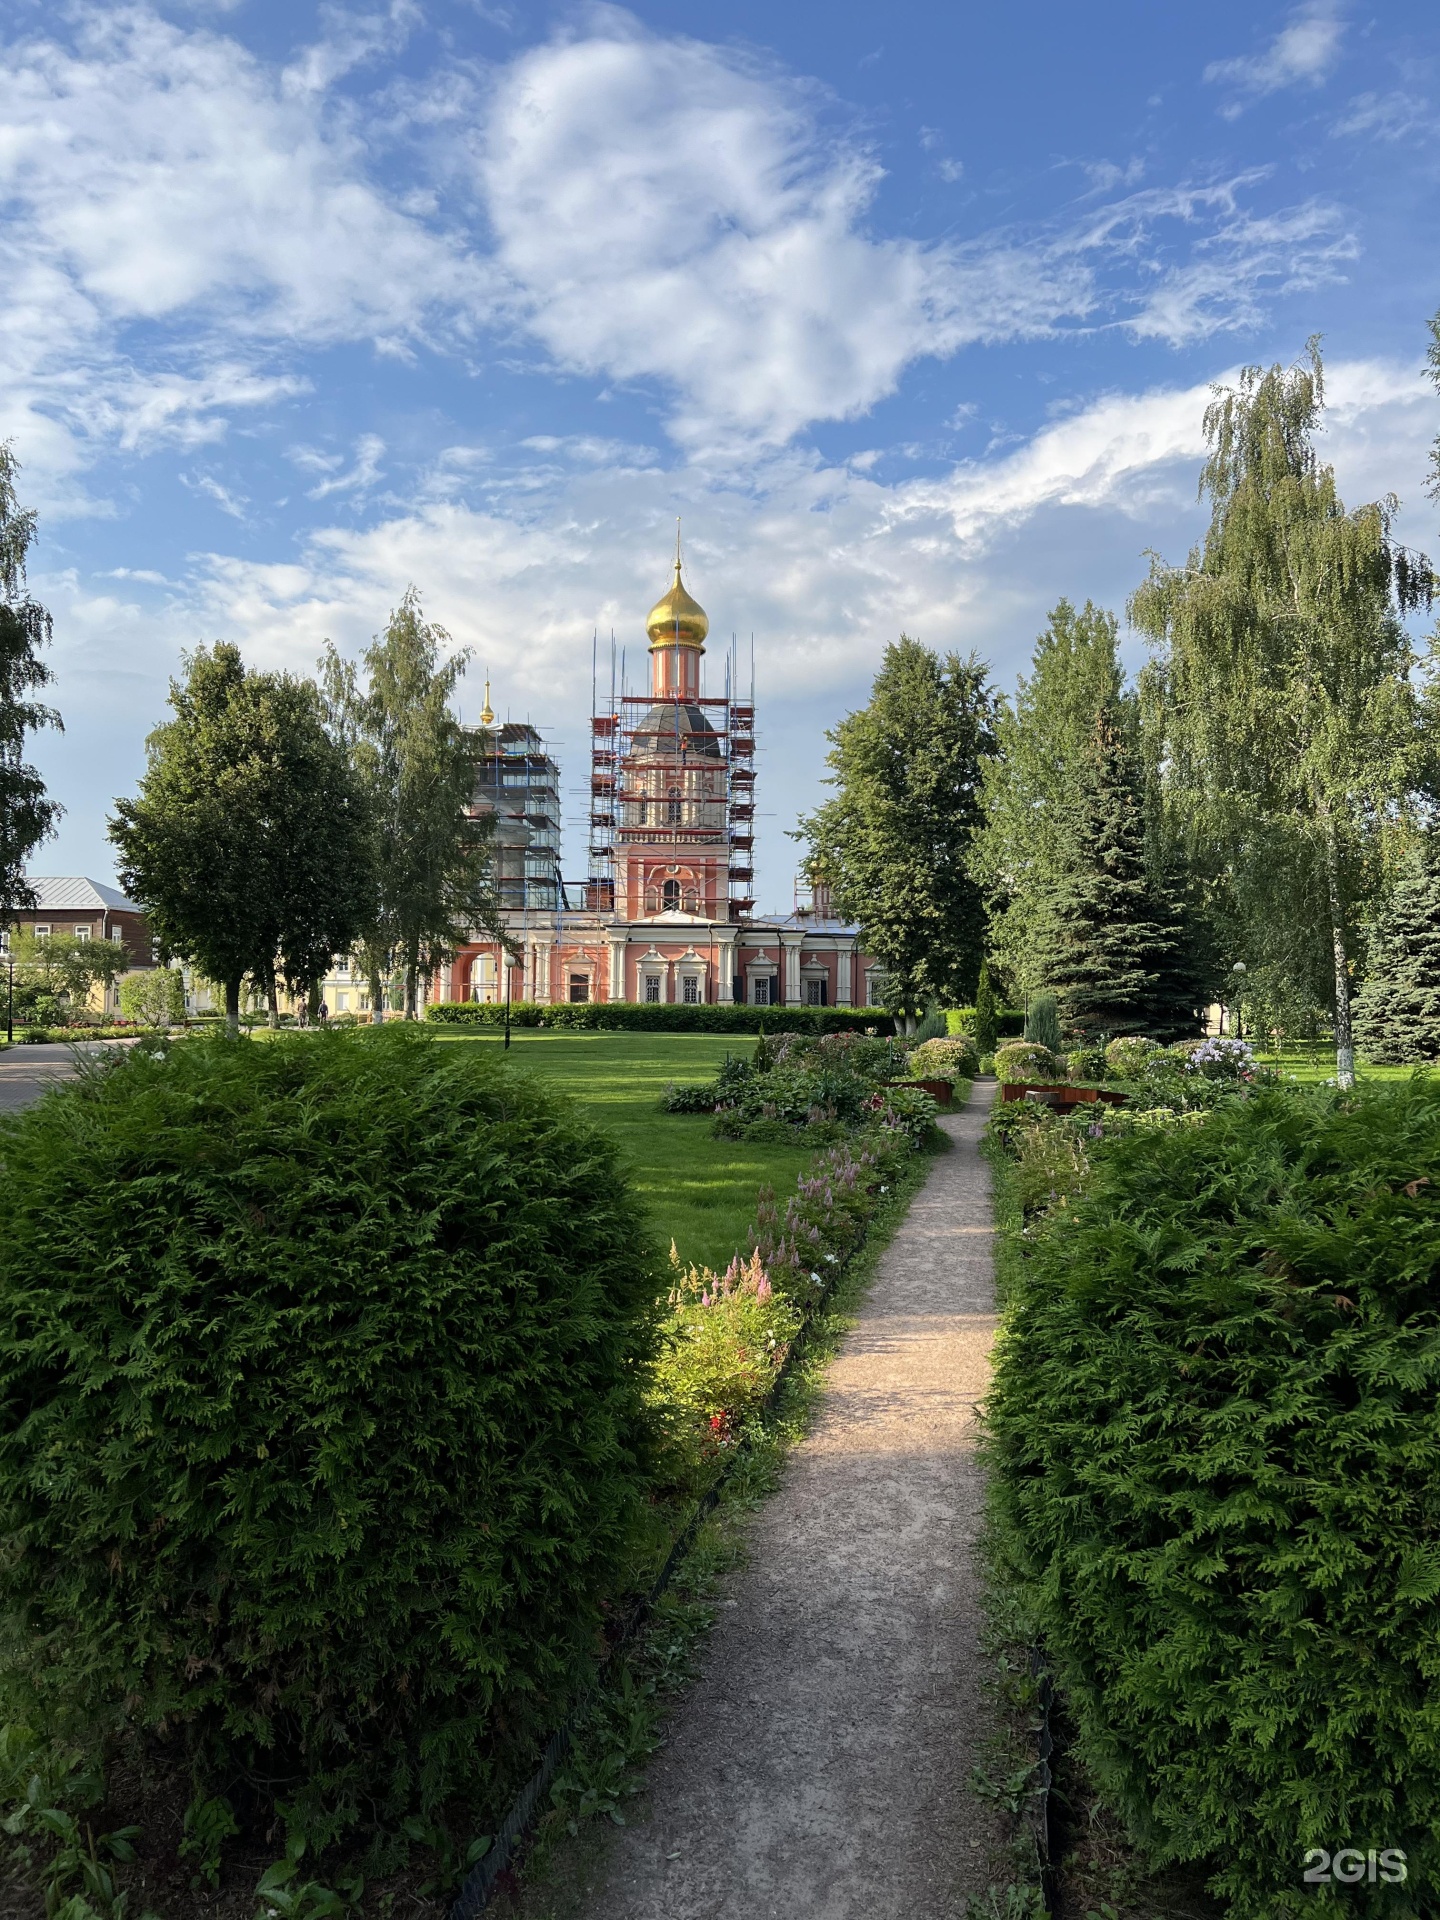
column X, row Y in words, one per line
column 673, row 726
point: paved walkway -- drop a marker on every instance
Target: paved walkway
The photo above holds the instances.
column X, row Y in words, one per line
column 818, row 1771
column 26, row 1071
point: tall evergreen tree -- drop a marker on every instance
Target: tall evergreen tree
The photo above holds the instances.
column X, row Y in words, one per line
column 896, row 839
column 1280, row 696
column 1111, row 944
column 1045, row 741
column 27, row 814
column 1397, row 1016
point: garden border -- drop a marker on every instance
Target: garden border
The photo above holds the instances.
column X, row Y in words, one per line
column 475, row 1893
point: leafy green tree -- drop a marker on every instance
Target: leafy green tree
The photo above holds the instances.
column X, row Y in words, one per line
column 1397, row 1016
column 1280, row 695
column 896, row 839
column 66, row 967
column 417, row 765
column 248, row 844
column 27, row 815
column 154, row 997
column 1045, row 741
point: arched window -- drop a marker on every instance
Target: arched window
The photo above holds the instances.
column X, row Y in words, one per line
column 670, row 893
column 674, row 806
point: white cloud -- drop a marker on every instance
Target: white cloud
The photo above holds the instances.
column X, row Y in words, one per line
column 177, row 213
column 669, row 210
column 1385, row 116
column 1303, row 53
column 361, row 477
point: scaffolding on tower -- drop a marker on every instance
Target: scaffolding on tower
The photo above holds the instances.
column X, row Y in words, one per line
column 615, row 720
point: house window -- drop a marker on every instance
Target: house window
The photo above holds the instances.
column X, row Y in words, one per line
column 82, row 933
column 692, row 901
column 670, row 896
column 762, row 986
column 690, row 990
column 673, row 807
column 579, row 987
column 364, row 1003
column 342, row 1002
column 815, row 993
column 652, row 988
column 41, row 932
column 874, row 988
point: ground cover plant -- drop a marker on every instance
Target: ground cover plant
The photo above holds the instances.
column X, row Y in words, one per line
column 321, row 1420
column 1214, row 1438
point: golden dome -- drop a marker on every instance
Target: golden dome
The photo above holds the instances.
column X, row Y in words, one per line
column 677, row 617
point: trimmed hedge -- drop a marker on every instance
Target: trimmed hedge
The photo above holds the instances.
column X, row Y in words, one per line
column 321, row 1425
column 666, row 1017
column 1215, row 1451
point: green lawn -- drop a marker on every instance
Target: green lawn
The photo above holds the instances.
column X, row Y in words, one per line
column 700, row 1191
column 1311, row 1063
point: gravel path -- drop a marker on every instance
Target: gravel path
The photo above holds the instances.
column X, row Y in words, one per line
column 818, row 1770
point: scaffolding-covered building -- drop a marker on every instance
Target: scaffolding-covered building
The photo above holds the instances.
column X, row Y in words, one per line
column 666, row 912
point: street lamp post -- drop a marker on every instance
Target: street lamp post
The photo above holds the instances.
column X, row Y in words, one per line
column 9, row 984
column 1237, row 973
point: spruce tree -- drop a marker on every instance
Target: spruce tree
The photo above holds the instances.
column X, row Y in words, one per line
column 1397, row 1016
column 1111, row 947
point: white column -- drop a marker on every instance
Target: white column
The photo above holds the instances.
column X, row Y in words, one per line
column 792, row 967
column 844, row 975
column 725, row 979
column 617, row 966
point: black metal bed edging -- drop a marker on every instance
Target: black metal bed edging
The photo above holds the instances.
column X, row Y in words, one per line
column 474, row 1894
column 1038, row 1805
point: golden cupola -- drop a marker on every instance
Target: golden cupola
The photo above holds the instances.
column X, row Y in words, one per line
column 676, row 618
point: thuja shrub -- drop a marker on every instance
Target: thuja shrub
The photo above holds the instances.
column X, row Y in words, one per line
column 1022, row 1060
column 321, row 1422
column 1215, row 1442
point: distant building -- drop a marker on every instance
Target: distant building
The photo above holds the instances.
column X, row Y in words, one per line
column 666, row 913
column 519, row 785
column 87, row 910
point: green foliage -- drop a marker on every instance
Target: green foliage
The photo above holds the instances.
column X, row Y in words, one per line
column 1026, row 1060
column 1042, row 1024
column 27, row 817
column 1397, row 1016
column 64, row 967
column 1087, row 1063
column 247, row 843
column 1128, row 1056
column 895, row 841
column 632, row 1016
column 945, row 1060
column 320, row 1415
column 416, row 766
column 1044, row 740
column 934, row 1026
column 154, row 998
column 1213, row 1440
column 1286, row 726
column 726, row 1339
column 986, row 1030
column 209, row 1823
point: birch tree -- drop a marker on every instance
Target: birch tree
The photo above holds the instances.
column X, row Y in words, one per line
column 1279, row 693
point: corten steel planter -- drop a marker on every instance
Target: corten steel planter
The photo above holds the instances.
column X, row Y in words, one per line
column 1064, row 1099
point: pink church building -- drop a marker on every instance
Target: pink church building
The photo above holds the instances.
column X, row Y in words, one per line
column 667, row 912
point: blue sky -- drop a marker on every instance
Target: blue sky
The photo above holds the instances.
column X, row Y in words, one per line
column 909, row 311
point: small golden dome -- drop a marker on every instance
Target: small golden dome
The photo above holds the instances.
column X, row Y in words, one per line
column 677, row 617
